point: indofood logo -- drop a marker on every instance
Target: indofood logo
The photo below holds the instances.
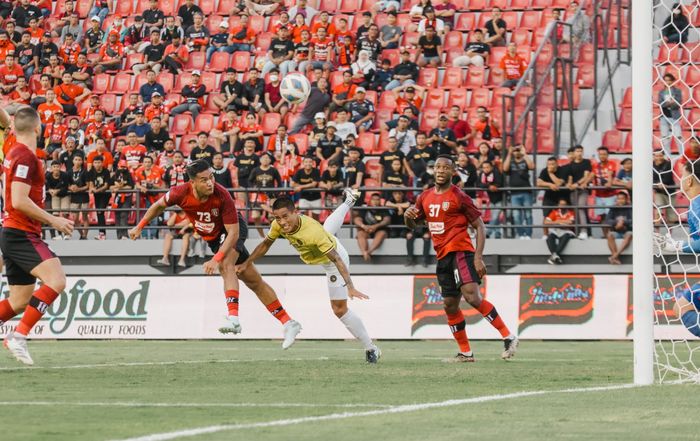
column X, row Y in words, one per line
column 555, row 300
column 82, row 303
column 667, row 289
column 428, row 305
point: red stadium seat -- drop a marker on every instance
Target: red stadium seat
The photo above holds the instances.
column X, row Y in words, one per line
column 575, row 98
column 692, row 76
column 496, row 78
column 82, row 7
column 196, row 61
column 624, row 122
column 329, row 6
column 613, row 139
column 209, row 80
column 367, row 142
column 627, row 147
column 302, row 142
column 497, row 53
column 586, row 54
column 499, row 92
column 627, row 98
column 453, row 40
column 100, row 83
column 270, row 122
column 350, row 6
column 511, row 19
column 410, row 39
column 133, row 59
column 544, row 119
column 521, row 36
column 219, row 62
column 108, row 102
column 429, row 120
column 382, row 116
column 541, row 4
column 240, row 61
column 123, row 8
column 207, row 6
column 530, row 20
column 476, row 5
column 169, row 7
column 434, row 99
column 387, row 100
column 167, row 80
column 256, row 23
column 452, row 78
column 480, row 97
column 209, row 106
column 428, row 77
column 392, row 55
column 476, row 77
column 668, row 54
column 182, row 80
column 263, row 41
column 458, row 97
column 585, row 76
column 501, row 4
column 181, row 125
column 204, row 123
column 520, row 4
column 141, row 5
column 122, row 83
column 465, row 21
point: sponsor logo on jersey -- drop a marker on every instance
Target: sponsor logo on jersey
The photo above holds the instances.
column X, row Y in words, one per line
column 204, row 227
column 436, row 227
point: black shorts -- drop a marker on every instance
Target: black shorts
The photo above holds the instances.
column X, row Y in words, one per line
column 454, row 270
column 243, row 253
column 23, row 251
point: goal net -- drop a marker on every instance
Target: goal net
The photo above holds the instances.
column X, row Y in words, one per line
column 676, row 122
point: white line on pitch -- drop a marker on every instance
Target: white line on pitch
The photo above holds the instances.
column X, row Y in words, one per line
column 226, row 405
column 165, row 436
column 158, row 363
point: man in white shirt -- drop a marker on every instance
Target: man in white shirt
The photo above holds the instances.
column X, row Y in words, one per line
column 343, row 125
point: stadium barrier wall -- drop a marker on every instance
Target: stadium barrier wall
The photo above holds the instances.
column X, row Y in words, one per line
column 575, row 307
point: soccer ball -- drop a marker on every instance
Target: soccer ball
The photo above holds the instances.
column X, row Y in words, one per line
column 295, row 88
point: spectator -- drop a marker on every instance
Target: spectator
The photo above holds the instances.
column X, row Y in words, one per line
column 153, row 16
column 405, row 73
column 409, row 98
column 246, row 161
column 399, row 204
column 186, row 12
column 580, row 24
column 323, row 22
column 392, row 152
column 25, row 11
column 692, row 151
column 580, row 176
column 560, row 221
column 496, row 30
column 6, row 45
column 321, row 51
column 222, row 175
column 273, row 99
column 157, row 135
column 263, row 7
column 329, row 146
column 176, row 55
column 100, row 10
column 57, row 183
column 10, row 72
column 79, row 197
column 69, row 51
column 431, row 20
column 340, row 33
column 97, row 129
column 486, row 127
column 427, row 179
column 382, row 77
column 98, row 178
column 404, row 135
column 14, row 35
column 19, row 97
column 354, row 169
column 513, row 66
column 419, row 156
column 429, row 50
column 69, row 94
column 24, row 52
column 140, row 127
column 136, row 36
column 43, row 50
column 76, row 133
column 306, row 178
column 194, row 94
column 133, row 152
column 387, row 6
column 302, row 50
column 122, row 181
column 619, row 220
column 100, row 150
column 670, row 99
column 393, row 175
column 92, row 41
column 517, row 166
column 604, row 172
column 443, row 138
column 317, row 102
column 370, row 43
column 624, row 175
column 202, row 150
column 175, row 167
column 491, row 181
column 148, row 180
column 460, row 127
column 333, row 182
column 248, row 129
column 263, row 176
column 197, row 35
column 54, row 133
column 82, row 72
column 363, row 70
column 417, row 12
column 242, row 37
column 302, row 8
column 553, row 179
column 111, row 54
column 476, row 52
column 179, row 227
column 445, row 11
column 254, row 91
column 170, row 30
column 151, row 88
column 128, row 116
column 466, row 176
column 280, row 54
column 372, row 223
column 484, row 153
column 390, row 33
column 87, row 114
column 363, row 28
column 154, row 55
column 664, row 186
column 361, row 111
column 231, row 94
column 676, row 27
column 73, row 28
column 54, row 70
column 344, row 128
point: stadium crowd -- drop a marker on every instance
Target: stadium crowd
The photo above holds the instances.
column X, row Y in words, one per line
column 130, row 92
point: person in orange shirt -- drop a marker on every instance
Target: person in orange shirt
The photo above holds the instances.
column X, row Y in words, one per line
column 35, row 31
column 225, row 130
column 283, row 22
column 97, row 129
column 323, row 22
column 148, row 178
column 340, row 33
column 241, row 37
column 19, row 97
column 54, row 70
column 48, row 110
column 54, row 134
column 409, row 99
column 298, row 27
column 560, row 223
column 69, row 50
column 100, row 150
column 134, row 152
column 249, row 129
column 156, row 109
column 344, row 92
column 111, row 54
column 10, row 72
column 513, row 66
column 87, row 114
column 6, row 45
column 176, row 55
column 69, row 94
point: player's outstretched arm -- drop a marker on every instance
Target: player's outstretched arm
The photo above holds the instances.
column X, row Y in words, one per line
column 22, row 202
column 478, row 225
column 232, row 234
column 411, row 217
column 259, row 251
column 153, row 212
column 353, row 293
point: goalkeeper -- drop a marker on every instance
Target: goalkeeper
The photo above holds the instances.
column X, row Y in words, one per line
column 687, row 299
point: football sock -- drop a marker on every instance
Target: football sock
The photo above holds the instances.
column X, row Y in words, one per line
column 40, row 301
column 357, row 329
column 491, row 315
column 336, row 219
column 278, row 311
column 458, row 328
column 6, row 311
column 232, row 301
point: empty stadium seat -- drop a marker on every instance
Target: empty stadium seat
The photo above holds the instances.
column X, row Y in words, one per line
column 204, row 123
column 270, row 122
column 181, row 125
column 614, row 140
column 452, row 78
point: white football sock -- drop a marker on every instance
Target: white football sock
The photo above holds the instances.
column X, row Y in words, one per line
column 335, row 220
column 357, row 329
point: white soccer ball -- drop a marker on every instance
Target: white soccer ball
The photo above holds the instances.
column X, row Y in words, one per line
column 295, row 88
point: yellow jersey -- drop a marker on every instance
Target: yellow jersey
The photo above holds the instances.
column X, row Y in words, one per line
column 311, row 241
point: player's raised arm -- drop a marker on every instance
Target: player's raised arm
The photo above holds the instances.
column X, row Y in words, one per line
column 22, row 202
column 353, row 293
column 259, row 251
column 153, row 212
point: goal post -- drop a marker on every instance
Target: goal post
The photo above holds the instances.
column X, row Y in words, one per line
column 642, row 198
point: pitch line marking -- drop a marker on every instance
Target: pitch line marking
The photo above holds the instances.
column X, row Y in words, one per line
column 166, row 436
column 183, row 405
column 157, row 363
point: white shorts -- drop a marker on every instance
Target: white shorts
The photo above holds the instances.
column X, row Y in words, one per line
column 336, row 284
column 305, row 204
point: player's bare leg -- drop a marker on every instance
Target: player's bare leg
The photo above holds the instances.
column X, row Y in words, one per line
column 254, row 281
column 53, row 278
column 457, row 323
column 470, row 292
column 354, row 324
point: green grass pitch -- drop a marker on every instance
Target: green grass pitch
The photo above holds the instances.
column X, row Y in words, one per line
column 115, row 390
